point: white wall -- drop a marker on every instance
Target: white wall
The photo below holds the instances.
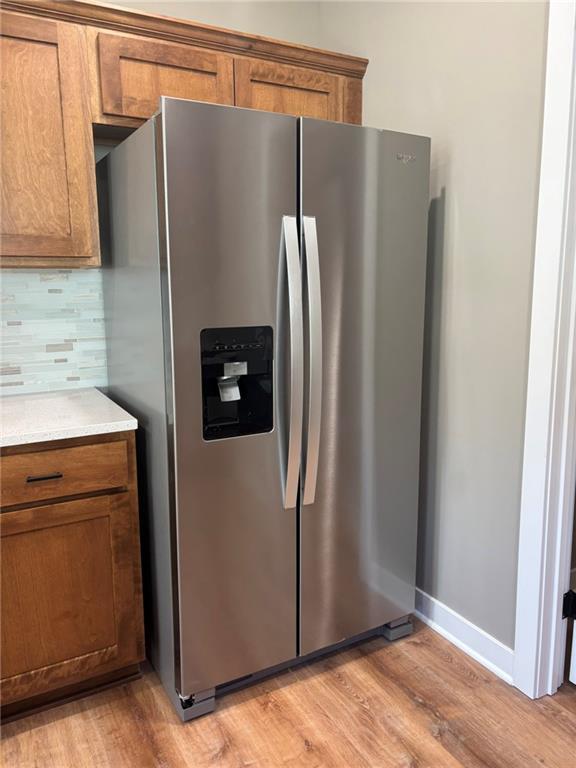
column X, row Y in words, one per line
column 470, row 76
column 296, row 22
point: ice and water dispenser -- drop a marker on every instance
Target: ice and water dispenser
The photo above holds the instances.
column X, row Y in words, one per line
column 237, row 379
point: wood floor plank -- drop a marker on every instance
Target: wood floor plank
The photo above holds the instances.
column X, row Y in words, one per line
column 348, row 711
column 389, row 715
column 566, row 699
column 520, row 734
column 300, row 735
column 416, row 703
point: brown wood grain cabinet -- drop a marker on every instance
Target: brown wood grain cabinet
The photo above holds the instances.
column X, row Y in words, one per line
column 48, row 197
column 70, row 65
column 133, row 72
column 291, row 90
column 71, row 608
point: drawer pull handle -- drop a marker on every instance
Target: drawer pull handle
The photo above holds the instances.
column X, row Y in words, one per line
column 40, row 478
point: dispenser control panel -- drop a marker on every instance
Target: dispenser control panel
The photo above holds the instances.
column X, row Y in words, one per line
column 237, row 381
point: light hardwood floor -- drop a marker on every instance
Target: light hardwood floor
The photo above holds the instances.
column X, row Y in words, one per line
column 416, row 702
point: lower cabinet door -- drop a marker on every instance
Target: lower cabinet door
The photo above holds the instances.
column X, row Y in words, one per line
column 71, row 594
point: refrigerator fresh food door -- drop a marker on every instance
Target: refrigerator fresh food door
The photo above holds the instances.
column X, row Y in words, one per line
column 233, row 322
column 364, row 206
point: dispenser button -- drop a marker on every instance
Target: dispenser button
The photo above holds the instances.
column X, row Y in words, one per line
column 236, row 369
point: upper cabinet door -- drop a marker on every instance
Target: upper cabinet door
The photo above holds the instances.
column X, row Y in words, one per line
column 48, row 188
column 134, row 72
column 292, row 90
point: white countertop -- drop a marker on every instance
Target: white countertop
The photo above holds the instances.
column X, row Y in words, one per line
column 60, row 415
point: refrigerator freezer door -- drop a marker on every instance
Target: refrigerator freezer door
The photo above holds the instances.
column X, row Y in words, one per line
column 229, row 178
column 368, row 193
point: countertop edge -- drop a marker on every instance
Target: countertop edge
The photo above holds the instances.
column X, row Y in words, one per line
column 46, row 436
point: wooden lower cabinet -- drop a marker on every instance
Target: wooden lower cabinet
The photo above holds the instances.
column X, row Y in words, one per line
column 71, row 585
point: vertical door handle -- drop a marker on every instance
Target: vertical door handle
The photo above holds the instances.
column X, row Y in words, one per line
column 290, row 248
column 312, row 261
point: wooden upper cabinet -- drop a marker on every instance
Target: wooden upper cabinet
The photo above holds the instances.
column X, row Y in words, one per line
column 66, row 66
column 291, row 90
column 48, row 192
column 134, row 72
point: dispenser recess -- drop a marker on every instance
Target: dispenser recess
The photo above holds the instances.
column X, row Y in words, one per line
column 237, row 381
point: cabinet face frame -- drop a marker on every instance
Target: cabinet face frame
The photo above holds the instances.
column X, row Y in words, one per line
column 112, row 102
column 79, row 245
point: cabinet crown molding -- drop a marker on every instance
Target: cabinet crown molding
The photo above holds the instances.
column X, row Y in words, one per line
column 191, row 33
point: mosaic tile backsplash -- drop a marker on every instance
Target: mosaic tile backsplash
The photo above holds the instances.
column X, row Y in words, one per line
column 52, row 330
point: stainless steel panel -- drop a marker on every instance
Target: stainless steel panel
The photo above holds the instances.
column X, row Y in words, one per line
column 135, row 357
column 230, row 177
column 368, row 191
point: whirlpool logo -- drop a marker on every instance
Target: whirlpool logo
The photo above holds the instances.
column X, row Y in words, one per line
column 405, row 158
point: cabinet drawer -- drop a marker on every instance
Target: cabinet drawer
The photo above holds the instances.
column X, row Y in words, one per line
column 50, row 474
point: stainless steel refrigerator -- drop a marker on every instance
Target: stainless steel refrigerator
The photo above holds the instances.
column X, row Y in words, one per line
column 264, row 289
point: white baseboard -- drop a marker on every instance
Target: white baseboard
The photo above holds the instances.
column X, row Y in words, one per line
column 477, row 643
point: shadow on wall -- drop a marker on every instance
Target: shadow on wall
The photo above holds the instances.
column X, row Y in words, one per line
column 425, row 576
column 574, row 550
